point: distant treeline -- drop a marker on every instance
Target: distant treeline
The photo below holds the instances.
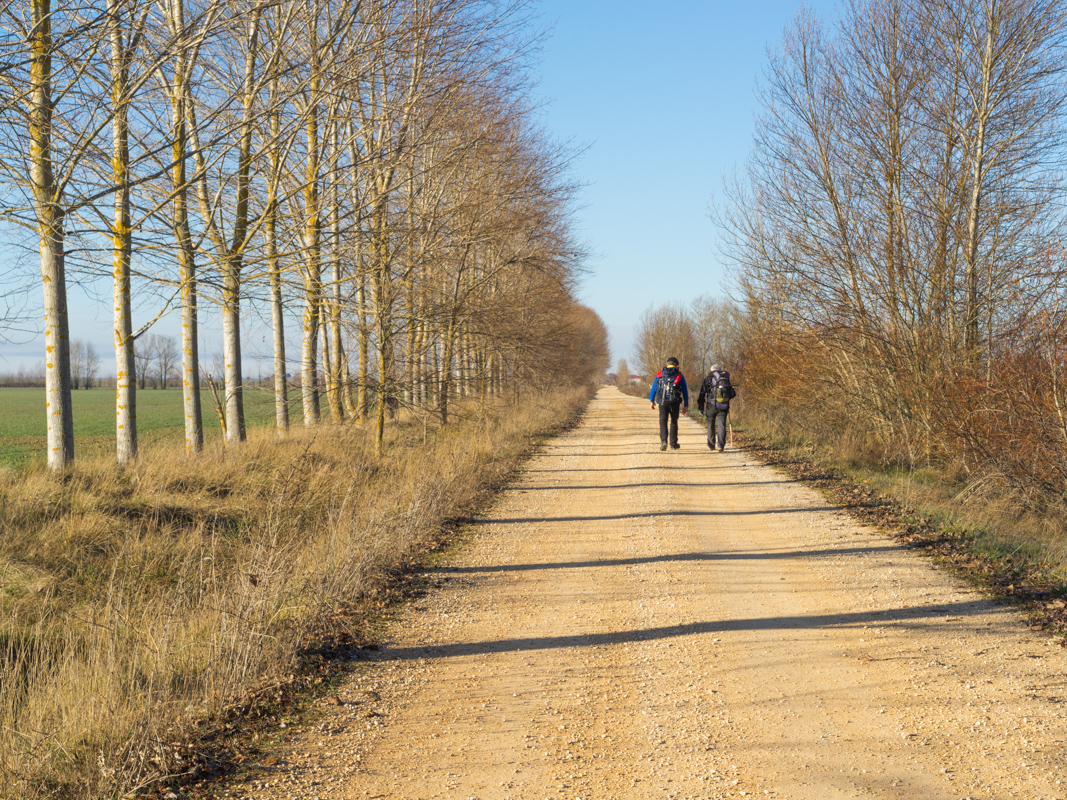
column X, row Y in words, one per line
column 84, row 369
column 23, row 378
column 33, row 378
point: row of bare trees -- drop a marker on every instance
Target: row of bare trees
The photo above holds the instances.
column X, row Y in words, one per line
column 24, row 377
column 699, row 335
column 898, row 230
column 372, row 165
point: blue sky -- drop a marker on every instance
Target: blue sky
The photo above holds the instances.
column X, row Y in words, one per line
column 662, row 95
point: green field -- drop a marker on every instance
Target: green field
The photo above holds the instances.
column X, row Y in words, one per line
column 159, row 418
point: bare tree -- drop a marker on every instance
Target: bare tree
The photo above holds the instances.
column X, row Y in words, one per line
column 77, row 363
column 716, row 331
column 661, row 333
column 166, row 356
column 92, row 366
column 900, row 202
column 50, row 119
column 144, row 354
column 84, row 364
column 186, row 39
column 125, row 26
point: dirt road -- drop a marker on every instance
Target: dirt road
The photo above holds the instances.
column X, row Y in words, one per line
column 635, row 624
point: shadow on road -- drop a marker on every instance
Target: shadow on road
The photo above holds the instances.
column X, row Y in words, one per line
column 657, row 467
column 521, row 488
column 676, row 557
column 667, row 513
column 916, row 616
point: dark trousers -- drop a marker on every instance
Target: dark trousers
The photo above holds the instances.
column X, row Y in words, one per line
column 717, row 429
column 671, row 411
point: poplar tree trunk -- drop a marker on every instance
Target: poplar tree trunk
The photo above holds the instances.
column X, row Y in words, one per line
column 231, row 350
column 125, row 384
column 346, row 382
column 326, row 357
column 971, row 275
column 410, row 389
column 50, row 226
column 274, row 270
column 312, row 256
column 281, row 386
column 337, row 411
column 194, row 420
column 379, row 428
column 382, row 315
column 179, row 98
column 978, row 166
column 359, row 276
column 364, row 361
column 233, row 255
column 444, row 381
column 418, row 366
column 309, row 377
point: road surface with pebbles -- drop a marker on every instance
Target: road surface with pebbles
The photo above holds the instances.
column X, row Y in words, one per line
column 630, row 623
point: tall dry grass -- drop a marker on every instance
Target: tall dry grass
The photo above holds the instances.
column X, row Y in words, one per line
column 137, row 600
column 985, row 514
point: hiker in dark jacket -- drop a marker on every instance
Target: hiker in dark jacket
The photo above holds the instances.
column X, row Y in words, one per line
column 716, row 392
column 670, row 391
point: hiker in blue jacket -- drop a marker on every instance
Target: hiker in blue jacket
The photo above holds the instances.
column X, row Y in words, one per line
column 670, row 391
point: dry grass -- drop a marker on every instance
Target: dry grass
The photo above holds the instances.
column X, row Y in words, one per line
column 640, row 390
column 135, row 601
column 990, row 516
column 984, row 513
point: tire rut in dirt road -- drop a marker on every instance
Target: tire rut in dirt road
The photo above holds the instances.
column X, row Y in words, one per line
column 629, row 623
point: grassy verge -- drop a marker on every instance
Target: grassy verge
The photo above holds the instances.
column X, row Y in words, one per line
column 1017, row 556
column 149, row 610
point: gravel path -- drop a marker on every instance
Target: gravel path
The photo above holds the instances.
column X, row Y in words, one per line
column 629, row 623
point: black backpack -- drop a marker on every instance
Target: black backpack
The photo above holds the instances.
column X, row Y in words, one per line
column 723, row 392
column 669, row 389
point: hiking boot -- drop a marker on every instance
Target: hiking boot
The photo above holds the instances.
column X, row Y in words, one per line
column 662, row 445
column 711, row 447
column 676, row 447
column 722, row 449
